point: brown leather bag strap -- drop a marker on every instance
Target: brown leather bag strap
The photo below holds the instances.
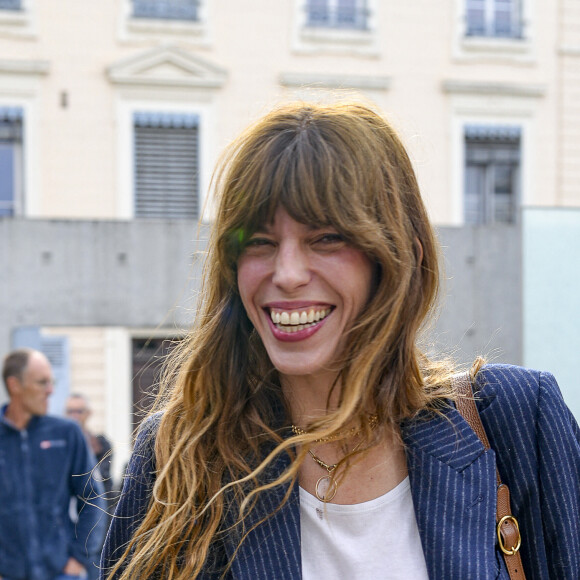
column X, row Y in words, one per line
column 508, row 531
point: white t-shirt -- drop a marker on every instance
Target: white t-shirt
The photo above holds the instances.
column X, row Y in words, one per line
column 370, row 540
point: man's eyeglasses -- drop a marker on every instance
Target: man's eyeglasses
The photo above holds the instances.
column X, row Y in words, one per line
column 45, row 383
column 75, row 411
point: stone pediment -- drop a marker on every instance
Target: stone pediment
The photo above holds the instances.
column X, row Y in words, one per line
column 167, row 66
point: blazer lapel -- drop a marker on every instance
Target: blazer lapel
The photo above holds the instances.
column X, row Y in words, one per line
column 454, row 494
column 271, row 549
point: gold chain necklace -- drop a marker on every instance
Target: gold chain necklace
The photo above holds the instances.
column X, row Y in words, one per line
column 373, row 420
column 327, row 486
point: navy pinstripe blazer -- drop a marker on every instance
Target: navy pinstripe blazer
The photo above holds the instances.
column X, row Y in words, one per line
column 535, row 441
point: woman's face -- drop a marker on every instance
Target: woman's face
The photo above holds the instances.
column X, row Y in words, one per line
column 302, row 288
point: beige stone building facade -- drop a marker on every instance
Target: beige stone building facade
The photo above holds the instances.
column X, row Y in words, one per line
column 118, row 110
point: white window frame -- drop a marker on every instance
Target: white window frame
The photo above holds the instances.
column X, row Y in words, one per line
column 197, row 32
column 496, row 105
column 335, row 40
column 21, row 22
column 495, row 48
column 125, row 114
column 459, row 123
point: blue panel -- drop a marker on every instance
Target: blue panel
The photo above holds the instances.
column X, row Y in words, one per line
column 551, row 268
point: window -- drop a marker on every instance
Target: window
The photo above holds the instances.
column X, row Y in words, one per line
column 166, row 165
column 10, row 4
column 337, row 13
column 10, row 160
column 166, row 9
column 492, row 167
column 494, row 18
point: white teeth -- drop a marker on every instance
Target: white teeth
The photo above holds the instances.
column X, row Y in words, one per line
column 295, row 321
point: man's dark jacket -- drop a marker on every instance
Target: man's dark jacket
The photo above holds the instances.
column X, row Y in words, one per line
column 42, row 468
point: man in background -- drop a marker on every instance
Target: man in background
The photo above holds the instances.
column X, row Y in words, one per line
column 45, row 463
column 78, row 409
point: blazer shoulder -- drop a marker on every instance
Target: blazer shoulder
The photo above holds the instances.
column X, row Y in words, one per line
column 515, row 388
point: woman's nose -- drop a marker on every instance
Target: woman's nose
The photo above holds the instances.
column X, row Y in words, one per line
column 291, row 268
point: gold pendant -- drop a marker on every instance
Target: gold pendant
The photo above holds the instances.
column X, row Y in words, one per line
column 326, row 488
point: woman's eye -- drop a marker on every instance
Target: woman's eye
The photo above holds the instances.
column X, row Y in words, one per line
column 257, row 244
column 329, row 239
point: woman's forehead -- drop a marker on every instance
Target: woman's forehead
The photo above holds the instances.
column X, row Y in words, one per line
column 280, row 214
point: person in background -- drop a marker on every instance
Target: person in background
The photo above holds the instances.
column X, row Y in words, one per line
column 78, row 409
column 45, row 464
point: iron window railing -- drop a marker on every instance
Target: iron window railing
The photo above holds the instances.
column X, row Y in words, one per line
column 166, row 9
column 349, row 14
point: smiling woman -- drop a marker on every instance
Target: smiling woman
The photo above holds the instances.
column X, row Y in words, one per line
column 300, row 420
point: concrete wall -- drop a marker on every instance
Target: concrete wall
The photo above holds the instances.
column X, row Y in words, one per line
column 97, row 273
column 481, row 304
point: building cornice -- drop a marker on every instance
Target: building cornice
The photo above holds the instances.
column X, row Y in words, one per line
column 326, row 81
column 24, row 67
column 487, row 88
column 569, row 50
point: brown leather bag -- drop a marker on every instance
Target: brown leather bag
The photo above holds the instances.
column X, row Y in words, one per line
column 508, row 531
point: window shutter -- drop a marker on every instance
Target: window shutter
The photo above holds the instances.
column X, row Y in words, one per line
column 166, row 165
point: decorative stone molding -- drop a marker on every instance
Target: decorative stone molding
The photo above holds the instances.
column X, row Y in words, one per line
column 167, row 66
column 24, row 67
column 381, row 83
column 486, row 88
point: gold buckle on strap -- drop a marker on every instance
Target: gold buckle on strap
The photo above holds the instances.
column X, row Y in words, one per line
column 508, row 551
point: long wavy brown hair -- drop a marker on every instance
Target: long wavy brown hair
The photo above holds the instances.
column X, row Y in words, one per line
column 225, row 420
